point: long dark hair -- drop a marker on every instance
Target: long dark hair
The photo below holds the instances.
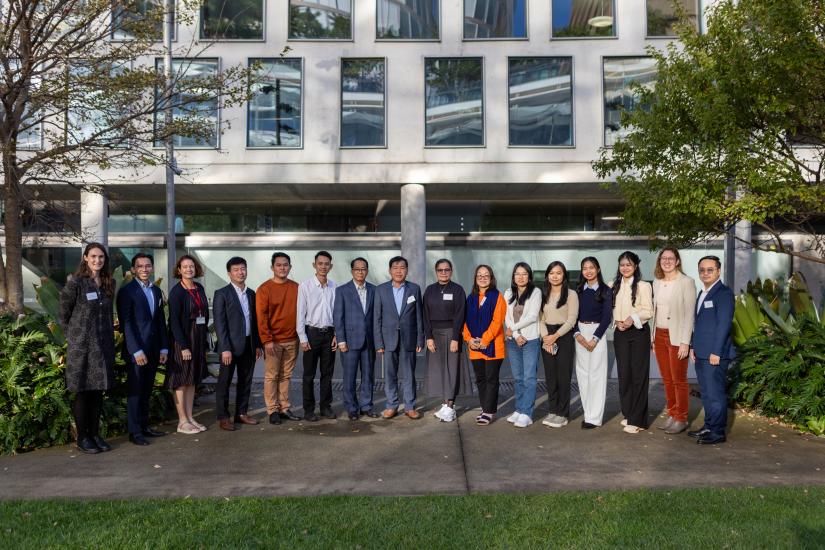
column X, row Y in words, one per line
column 582, row 282
column 492, row 286
column 637, row 276
column 564, row 285
column 107, row 282
column 530, row 286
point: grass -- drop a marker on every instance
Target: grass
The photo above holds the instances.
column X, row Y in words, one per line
column 693, row 518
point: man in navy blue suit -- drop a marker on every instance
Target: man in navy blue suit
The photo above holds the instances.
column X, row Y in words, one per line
column 712, row 350
column 143, row 323
column 399, row 335
column 353, row 315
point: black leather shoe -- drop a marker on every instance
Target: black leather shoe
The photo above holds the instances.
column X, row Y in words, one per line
column 101, row 444
column 588, row 426
column 311, row 417
column 327, row 413
column 289, row 415
column 699, row 433
column 151, row 432
column 138, row 439
column 87, row 445
column 275, row 418
column 711, row 439
column 371, row 413
column 354, row 416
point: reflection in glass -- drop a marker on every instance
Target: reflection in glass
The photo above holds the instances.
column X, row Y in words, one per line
column 573, row 18
column 84, row 120
column 495, row 18
column 232, row 20
column 454, row 101
column 661, row 16
column 274, row 110
column 619, row 76
column 362, row 103
column 407, row 19
column 189, row 103
column 30, row 136
column 541, row 101
column 138, row 17
column 320, row 19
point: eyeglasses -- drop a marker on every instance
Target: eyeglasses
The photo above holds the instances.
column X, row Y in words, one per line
column 666, row 259
column 359, row 268
column 708, row 270
column 443, row 270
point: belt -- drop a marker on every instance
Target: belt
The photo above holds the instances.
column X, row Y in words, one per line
column 322, row 330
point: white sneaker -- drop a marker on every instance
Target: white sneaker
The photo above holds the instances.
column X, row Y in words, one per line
column 555, row 422
column 549, row 419
column 523, row 421
column 448, row 415
column 513, row 417
column 623, row 422
column 631, row 429
column 439, row 414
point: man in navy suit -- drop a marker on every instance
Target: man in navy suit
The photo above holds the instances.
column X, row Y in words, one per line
column 239, row 344
column 352, row 316
column 143, row 323
column 712, row 350
column 399, row 335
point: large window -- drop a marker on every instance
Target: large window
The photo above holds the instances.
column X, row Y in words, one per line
column 620, row 74
column 407, row 19
column 320, row 19
column 193, row 101
column 275, row 110
column 485, row 19
column 138, row 18
column 232, row 20
column 583, row 18
column 662, row 17
column 30, row 136
column 89, row 111
column 541, row 101
column 454, row 95
column 362, row 103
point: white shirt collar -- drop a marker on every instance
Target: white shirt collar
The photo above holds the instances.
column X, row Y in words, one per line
column 238, row 289
column 149, row 285
column 596, row 287
column 711, row 286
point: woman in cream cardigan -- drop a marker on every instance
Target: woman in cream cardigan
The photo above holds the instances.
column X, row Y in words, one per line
column 674, row 297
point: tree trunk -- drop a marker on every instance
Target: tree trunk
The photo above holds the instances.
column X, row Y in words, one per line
column 13, row 279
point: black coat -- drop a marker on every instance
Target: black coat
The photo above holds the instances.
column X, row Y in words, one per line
column 229, row 321
column 180, row 312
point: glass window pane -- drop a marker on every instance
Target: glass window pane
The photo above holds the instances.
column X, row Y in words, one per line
column 30, row 136
column 232, row 20
column 189, row 72
column 541, row 101
column 619, row 76
column 362, row 103
column 274, row 111
column 574, row 18
column 320, row 19
column 143, row 18
column 454, row 102
column 407, row 19
column 495, row 18
column 661, row 17
column 89, row 110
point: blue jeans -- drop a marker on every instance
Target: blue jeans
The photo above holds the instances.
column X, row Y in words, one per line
column 524, row 361
column 712, row 384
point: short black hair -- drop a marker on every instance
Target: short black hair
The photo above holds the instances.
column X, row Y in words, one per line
column 323, row 253
column 140, row 255
column 234, row 260
column 443, row 261
column 714, row 258
column 396, row 259
column 359, row 259
column 281, row 255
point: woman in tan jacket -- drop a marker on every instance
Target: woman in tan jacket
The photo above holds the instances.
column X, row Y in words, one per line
column 674, row 297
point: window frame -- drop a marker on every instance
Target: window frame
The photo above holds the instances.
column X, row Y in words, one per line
column 391, row 40
column 199, row 28
column 341, row 104
column 175, row 23
column 604, row 89
column 303, row 113
column 483, row 144
column 525, row 38
column 351, row 27
column 699, row 7
column 614, row 36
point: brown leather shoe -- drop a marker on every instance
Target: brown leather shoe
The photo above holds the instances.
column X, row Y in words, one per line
column 389, row 413
column 413, row 414
column 246, row 419
column 227, row 425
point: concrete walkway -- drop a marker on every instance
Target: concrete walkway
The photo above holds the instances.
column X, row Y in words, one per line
column 405, row 457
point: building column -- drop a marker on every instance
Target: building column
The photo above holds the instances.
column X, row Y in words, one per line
column 744, row 256
column 414, row 231
column 94, row 217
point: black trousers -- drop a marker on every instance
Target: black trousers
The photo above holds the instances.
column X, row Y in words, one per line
column 320, row 342
column 633, row 364
column 139, row 380
column 245, row 365
column 487, row 372
column 558, row 372
column 86, row 410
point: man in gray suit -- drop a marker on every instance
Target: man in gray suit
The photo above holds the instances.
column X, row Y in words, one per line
column 399, row 335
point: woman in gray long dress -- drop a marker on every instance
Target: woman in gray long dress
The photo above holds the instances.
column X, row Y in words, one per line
column 86, row 319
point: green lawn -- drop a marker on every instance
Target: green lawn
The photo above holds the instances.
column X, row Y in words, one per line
column 697, row 518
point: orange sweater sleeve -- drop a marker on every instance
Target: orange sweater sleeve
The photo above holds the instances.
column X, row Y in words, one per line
column 262, row 309
column 497, row 324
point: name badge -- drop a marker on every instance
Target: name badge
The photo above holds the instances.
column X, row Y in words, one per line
column 200, row 320
column 708, row 304
column 91, row 296
column 448, row 297
column 411, row 299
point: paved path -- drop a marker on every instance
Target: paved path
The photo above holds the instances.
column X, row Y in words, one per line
column 405, row 457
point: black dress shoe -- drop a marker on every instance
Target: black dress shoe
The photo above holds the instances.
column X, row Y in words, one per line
column 327, row 413
column 711, row 439
column 138, row 439
column 371, row 413
column 101, row 444
column 289, row 415
column 699, row 433
column 311, row 417
column 87, row 445
column 588, row 426
column 275, row 418
column 354, row 416
column 151, row 432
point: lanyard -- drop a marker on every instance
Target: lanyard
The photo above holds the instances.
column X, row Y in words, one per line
column 193, row 292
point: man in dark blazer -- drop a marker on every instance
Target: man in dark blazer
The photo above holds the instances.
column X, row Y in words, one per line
column 399, row 335
column 712, row 350
column 239, row 344
column 143, row 324
column 353, row 316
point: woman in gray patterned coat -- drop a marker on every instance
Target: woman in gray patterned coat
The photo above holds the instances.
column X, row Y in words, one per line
column 86, row 319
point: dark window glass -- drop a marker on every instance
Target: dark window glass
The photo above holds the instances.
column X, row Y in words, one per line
column 189, row 73
column 232, row 20
column 407, row 19
column 274, row 111
column 541, row 101
column 583, row 18
column 362, row 103
column 495, row 19
column 138, row 18
column 320, row 19
column 620, row 74
column 661, row 16
column 454, row 102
